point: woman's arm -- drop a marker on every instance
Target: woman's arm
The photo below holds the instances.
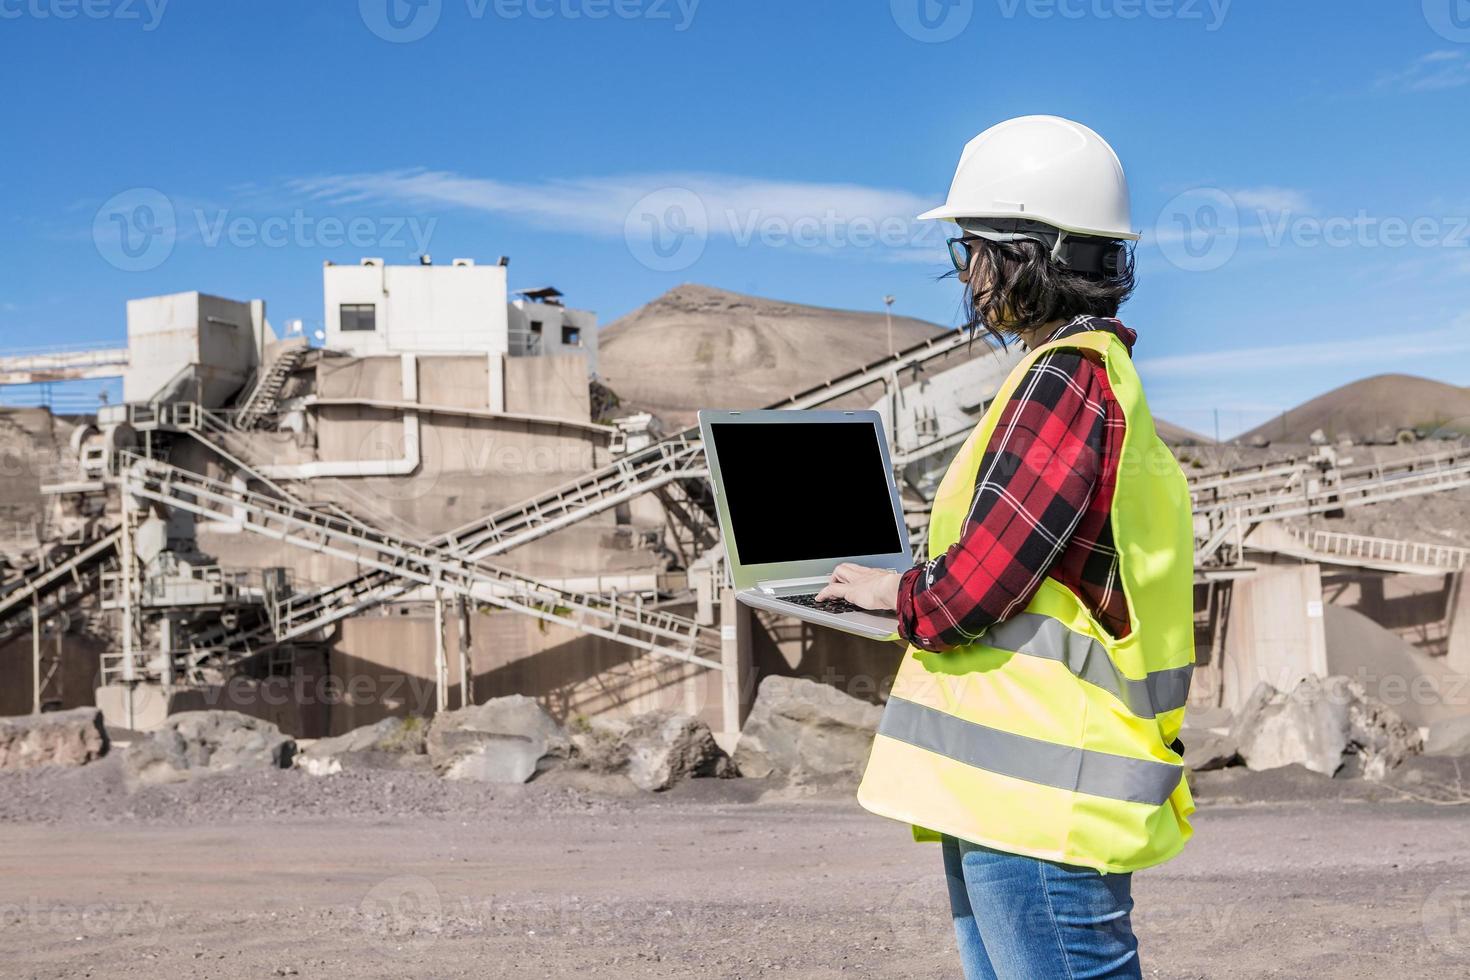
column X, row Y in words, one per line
column 1035, row 482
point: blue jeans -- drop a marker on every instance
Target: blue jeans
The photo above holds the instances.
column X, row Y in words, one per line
column 1019, row 918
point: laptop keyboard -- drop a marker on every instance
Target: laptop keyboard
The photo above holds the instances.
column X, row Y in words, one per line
column 829, row 606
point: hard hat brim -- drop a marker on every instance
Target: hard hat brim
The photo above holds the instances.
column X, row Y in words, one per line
column 948, row 212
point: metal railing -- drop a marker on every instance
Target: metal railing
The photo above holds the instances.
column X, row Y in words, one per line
column 1387, row 551
column 1322, row 492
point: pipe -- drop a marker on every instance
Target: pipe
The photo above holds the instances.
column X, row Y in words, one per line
column 404, row 466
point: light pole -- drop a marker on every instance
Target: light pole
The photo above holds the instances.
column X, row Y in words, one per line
column 888, row 313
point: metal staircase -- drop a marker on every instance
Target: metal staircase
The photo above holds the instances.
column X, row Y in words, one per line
column 56, row 582
column 264, row 399
column 404, row 565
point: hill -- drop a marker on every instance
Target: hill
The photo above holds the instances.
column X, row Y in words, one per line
column 698, row 347
column 1178, row 435
column 1373, row 408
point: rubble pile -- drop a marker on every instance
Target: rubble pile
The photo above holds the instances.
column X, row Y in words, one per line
column 393, row 743
column 62, row 738
column 1320, row 724
column 194, row 743
column 655, row 750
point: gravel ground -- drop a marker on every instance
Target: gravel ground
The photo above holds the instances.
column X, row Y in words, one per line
column 399, row 874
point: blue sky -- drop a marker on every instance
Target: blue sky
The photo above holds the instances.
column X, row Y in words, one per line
column 1297, row 168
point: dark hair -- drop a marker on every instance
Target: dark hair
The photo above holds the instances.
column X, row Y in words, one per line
column 1015, row 286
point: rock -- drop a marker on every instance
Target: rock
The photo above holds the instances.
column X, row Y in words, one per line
column 1307, row 727
column 393, row 743
column 655, row 750
column 1199, row 719
column 1376, row 734
column 1205, row 750
column 803, row 730
column 504, row 740
column 1318, row 723
column 59, row 738
column 194, row 742
column 1449, row 737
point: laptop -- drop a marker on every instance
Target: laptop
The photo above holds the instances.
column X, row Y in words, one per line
column 798, row 493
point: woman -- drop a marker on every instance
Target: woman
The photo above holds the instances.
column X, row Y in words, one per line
column 1032, row 727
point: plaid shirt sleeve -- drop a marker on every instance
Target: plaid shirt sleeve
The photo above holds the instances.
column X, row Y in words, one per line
column 1036, row 481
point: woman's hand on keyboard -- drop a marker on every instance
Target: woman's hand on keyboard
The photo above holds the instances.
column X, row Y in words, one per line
column 870, row 588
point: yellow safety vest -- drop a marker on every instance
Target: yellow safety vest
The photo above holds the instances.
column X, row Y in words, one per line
column 1047, row 736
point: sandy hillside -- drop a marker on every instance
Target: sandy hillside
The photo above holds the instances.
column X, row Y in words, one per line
column 1364, row 409
column 697, row 347
column 1178, row 435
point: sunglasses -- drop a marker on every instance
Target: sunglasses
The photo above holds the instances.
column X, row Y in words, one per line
column 960, row 252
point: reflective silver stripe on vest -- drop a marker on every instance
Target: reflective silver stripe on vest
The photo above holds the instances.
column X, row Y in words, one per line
column 1116, row 777
column 1036, row 635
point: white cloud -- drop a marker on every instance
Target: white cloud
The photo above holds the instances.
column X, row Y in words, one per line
column 1434, row 72
column 745, row 209
column 1270, row 199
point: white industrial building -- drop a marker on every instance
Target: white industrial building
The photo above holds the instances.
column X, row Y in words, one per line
column 373, row 308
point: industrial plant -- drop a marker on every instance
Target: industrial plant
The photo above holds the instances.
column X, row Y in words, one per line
column 462, row 538
column 445, row 499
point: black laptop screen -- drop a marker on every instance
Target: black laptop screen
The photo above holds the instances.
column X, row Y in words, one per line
column 805, row 490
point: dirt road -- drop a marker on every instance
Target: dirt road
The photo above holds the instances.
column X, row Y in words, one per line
column 269, row 875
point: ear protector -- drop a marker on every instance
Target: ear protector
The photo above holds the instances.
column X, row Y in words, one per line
column 1075, row 253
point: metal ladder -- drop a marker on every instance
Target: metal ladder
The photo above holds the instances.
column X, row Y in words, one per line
column 265, row 397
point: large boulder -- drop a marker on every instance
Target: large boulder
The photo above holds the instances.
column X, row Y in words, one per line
column 61, row 738
column 806, row 731
column 655, row 750
column 504, row 740
column 393, row 743
column 1449, row 737
column 1306, row 727
column 1206, row 750
column 196, row 742
column 1317, row 724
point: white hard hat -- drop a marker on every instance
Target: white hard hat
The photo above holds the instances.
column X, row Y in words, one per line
column 1044, row 169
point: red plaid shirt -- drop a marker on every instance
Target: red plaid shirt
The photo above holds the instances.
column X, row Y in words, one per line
column 1042, row 506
